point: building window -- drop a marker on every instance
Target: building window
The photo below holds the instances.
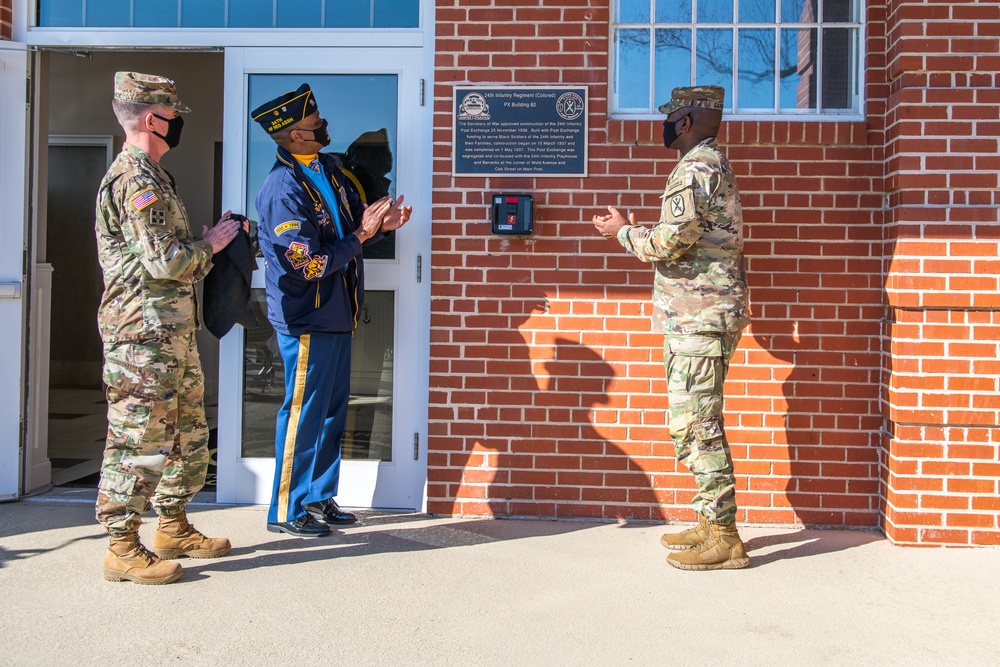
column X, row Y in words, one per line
column 229, row 13
column 773, row 57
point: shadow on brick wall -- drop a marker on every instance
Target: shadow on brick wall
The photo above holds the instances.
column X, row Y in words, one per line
column 541, row 456
column 832, row 463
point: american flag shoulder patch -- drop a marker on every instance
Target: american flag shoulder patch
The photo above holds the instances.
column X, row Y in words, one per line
column 143, row 199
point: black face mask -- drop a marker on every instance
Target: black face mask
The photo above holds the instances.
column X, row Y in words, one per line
column 174, row 127
column 670, row 131
column 320, row 135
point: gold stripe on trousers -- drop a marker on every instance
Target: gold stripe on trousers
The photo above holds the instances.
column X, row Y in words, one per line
column 288, row 456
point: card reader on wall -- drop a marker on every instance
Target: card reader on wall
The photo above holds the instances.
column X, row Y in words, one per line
column 512, row 214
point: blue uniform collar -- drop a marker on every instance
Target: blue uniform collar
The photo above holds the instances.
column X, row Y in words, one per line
column 285, row 158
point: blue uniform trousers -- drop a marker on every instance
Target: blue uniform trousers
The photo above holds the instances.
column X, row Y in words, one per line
column 311, row 421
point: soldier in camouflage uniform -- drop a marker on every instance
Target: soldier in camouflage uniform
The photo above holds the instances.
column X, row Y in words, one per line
column 157, row 445
column 700, row 298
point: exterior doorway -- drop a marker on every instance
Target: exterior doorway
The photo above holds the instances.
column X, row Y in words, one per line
column 79, row 137
column 219, row 166
column 76, row 415
column 363, row 97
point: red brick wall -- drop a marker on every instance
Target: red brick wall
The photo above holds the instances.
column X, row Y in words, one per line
column 939, row 456
column 872, row 252
column 6, row 19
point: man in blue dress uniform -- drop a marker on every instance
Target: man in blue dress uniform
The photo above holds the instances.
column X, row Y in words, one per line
column 311, row 230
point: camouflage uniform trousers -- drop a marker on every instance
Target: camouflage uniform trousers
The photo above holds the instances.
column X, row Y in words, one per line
column 157, row 444
column 696, row 367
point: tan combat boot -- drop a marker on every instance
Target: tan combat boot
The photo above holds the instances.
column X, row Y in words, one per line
column 687, row 538
column 175, row 537
column 128, row 559
column 723, row 550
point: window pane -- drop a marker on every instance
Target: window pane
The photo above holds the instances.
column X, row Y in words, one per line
column 673, row 11
column 349, row 14
column 251, row 13
column 109, row 13
column 155, row 14
column 300, row 14
column 362, row 134
column 839, row 10
column 68, row 13
column 798, row 68
column 798, row 11
column 757, row 11
column 203, row 13
column 673, row 62
column 369, row 415
column 715, row 11
column 756, row 56
column 396, row 14
column 368, row 434
column 632, row 68
column 839, row 60
column 715, row 60
column 634, row 11
column 263, row 382
column 241, row 13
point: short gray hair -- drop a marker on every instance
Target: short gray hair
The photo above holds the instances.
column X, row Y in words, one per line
column 130, row 114
column 282, row 136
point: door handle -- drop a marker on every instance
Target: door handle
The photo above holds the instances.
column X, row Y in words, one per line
column 10, row 290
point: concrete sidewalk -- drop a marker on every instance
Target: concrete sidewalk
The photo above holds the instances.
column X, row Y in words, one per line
column 412, row 590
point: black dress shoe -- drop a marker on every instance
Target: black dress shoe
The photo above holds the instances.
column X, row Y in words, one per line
column 329, row 512
column 304, row 526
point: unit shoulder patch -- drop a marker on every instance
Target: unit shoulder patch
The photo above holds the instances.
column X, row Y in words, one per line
column 678, row 199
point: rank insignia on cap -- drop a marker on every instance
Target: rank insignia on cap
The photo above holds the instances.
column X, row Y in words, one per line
column 143, row 199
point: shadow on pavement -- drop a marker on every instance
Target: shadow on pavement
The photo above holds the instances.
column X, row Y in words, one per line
column 378, row 533
column 44, row 517
column 802, row 543
column 389, row 537
column 383, row 532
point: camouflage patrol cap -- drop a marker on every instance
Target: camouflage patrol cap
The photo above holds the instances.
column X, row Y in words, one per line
column 287, row 108
column 706, row 97
column 147, row 89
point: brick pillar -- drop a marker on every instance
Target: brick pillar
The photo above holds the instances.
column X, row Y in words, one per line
column 941, row 376
column 6, row 19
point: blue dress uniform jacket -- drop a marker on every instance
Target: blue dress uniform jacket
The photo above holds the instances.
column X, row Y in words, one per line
column 314, row 278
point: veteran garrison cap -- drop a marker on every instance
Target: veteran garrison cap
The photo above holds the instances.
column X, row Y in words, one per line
column 706, row 97
column 288, row 108
column 148, row 89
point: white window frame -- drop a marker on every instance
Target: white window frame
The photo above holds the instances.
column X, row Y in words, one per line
column 27, row 30
column 854, row 114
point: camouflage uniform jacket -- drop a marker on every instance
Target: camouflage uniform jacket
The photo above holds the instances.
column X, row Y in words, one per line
column 150, row 261
column 697, row 248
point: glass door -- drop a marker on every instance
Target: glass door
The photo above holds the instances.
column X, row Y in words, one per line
column 361, row 94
